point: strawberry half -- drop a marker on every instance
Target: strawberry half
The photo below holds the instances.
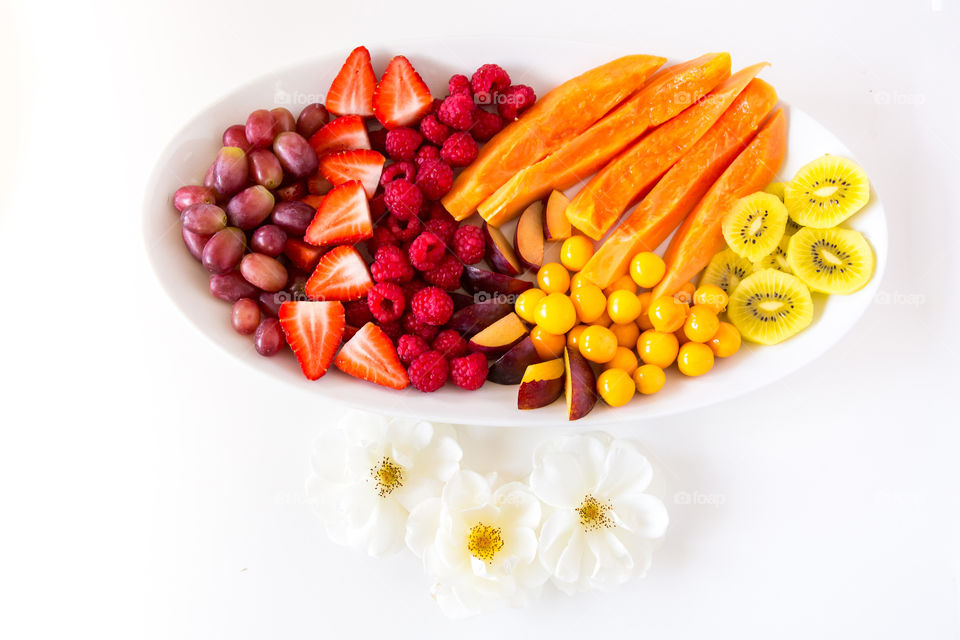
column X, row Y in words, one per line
column 303, row 256
column 402, row 97
column 341, row 274
column 369, row 355
column 342, row 218
column 313, row 330
column 352, row 89
column 346, row 132
column 359, row 164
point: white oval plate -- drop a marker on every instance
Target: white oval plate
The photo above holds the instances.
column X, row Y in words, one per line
column 542, row 64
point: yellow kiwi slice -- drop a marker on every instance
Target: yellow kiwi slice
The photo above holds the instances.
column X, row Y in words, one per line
column 791, row 228
column 826, row 192
column 776, row 188
column 831, row 260
column 770, row 306
column 755, row 224
column 776, row 259
column 726, row 270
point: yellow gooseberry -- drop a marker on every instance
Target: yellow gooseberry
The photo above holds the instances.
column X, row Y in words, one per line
column 555, row 313
column 589, row 302
column 655, row 347
column 666, row 314
column 685, row 293
column 526, row 304
column 548, row 345
column 573, row 336
column 694, row 359
column 701, row 323
column 623, row 283
column 616, row 387
column 643, row 320
column 646, row 269
column 710, row 295
column 726, row 341
column 625, row 359
column 575, row 251
column 597, row 344
column 649, row 378
column 623, row 306
column 553, row 278
column 627, row 334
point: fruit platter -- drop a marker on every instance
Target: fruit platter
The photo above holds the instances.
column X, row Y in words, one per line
column 533, row 233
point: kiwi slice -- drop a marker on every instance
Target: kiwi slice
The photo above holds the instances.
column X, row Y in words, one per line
column 776, row 259
column 791, row 228
column 776, row 188
column 831, row 260
column 754, row 225
column 726, row 270
column 826, row 192
column 770, row 306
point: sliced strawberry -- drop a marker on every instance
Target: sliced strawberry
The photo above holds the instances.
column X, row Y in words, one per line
column 303, row 256
column 402, row 97
column 369, row 355
column 359, row 164
column 342, row 218
column 347, row 132
column 313, row 330
column 341, row 274
column 352, row 89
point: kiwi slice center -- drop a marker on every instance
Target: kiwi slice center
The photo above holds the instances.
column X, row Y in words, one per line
column 755, row 225
column 829, row 257
column 826, row 191
column 771, row 306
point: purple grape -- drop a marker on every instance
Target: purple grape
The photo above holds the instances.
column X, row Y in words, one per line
column 231, row 286
column 264, row 168
column 284, row 119
column 263, row 272
column 311, row 119
column 250, row 207
column 268, row 240
column 205, row 219
column 228, row 174
column 245, row 316
column 194, row 242
column 270, row 302
column 295, row 154
column 318, row 185
column 224, row 250
column 194, row 194
column 293, row 216
column 261, row 128
column 235, row 136
column 268, row 338
column 293, row 190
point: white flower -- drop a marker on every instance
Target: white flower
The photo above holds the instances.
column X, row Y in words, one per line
column 372, row 470
column 600, row 534
column 480, row 544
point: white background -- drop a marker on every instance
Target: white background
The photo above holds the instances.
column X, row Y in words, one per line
column 152, row 489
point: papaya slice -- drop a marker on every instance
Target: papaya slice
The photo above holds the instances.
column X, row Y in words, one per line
column 700, row 236
column 618, row 185
column 554, row 119
column 668, row 93
column 677, row 192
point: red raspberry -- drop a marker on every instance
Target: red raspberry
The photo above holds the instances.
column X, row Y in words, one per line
column 488, row 125
column 435, row 106
column 386, row 301
column 403, row 198
column 426, row 251
column 404, row 230
column 434, row 177
column 515, row 100
column 402, row 143
column 459, row 83
column 392, row 329
column 469, row 244
column 488, row 80
column 443, row 228
column 439, row 212
column 428, row 372
column 411, row 287
column 390, row 264
column 431, row 305
column 414, row 327
column 378, row 140
column 457, row 111
column 427, row 152
column 405, row 169
column 459, row 150
column 357, row 312
column 434, row 130
column 410, row 347
column 381, row 237
column 450, row 343
column 469, row 372
column 447, row 275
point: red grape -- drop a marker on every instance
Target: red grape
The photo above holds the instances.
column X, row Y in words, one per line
column 205, row 219
column 228, row 174
column 318, row 185
column 261, row 128
column 250, row 207
column 194, row 242
column 235, row 136
column 269, row 337
column 268, row 240
column 293, row 190
column 284, row 118
column 295, row 154
column 263, row 272
column 264, row 168
column 245, row 316
column 231, row 286
column 293, row 216
column 194, row 194
column 224, row 250
column 311, row 119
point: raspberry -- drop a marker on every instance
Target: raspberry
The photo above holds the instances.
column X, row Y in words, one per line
column 427, row 152
column 435, row 106
column 447, row 275
column 431, row 305
column 386, row 301
column 450, row 343
column 421, row 329
column 405, row 169
column 459, row 83
column 411, row 287
column 381, row 237
column 435, row 178
column 488, row 125
column 357, row 312
column 429, row 371
column 426, row 251
column 457, row 111
column 469, row 244
column 390, row 264
column 515, row 101
column 439, row 212
column 402, row 143
column 469, row 372
column 410, row 347
column 443, row 228
column 434, row 130
column 488, row 80
column 378, row 140
column 392, row 329
column 459, row 150
column 404, row 230
column 403, row 198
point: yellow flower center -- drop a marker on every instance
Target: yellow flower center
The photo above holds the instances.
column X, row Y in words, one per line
column 388, row 475
column 484, row 541
column 593, row 514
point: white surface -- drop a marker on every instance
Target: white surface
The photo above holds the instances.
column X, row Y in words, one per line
column 151, row 486
column 545, row 63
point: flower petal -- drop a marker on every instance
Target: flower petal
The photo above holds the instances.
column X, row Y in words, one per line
column 624, row 469
column 466, row 490
column 558, row 480
column 328, row 458
column 555, row 536
column 569, row 563
column 518, row 506
column 363, row 427
column 422, row 525
column 642, row 514
column 614, row 561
